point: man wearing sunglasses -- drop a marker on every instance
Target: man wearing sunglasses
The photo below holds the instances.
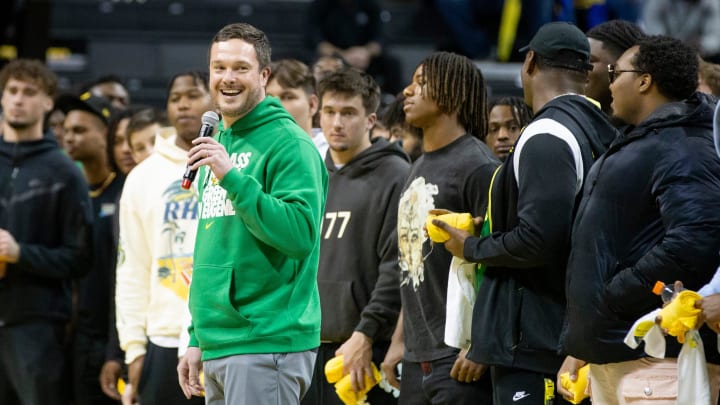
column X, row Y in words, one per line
column 650, row 211
column 608, row 41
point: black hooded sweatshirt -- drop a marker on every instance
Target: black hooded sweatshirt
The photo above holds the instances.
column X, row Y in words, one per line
column 519, row 311
column 358, row 275
column 650, row 211
column 44, row 204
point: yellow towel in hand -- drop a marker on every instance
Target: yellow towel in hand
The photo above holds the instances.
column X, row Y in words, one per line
column 334, row 369
column 460, row 221
column 680, row 315
column 343, row 385
column 577, row 387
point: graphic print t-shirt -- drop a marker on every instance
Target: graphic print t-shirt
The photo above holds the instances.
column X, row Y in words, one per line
column 455, row 178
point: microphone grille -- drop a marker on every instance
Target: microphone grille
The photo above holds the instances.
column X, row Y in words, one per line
column 210, row 118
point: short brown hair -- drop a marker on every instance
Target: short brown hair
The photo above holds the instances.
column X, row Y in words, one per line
column 352, row 82
column 292, row 73
column 141, row 120
column 30, row 70
column 249, row 34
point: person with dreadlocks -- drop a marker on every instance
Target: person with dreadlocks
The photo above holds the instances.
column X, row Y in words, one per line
column 520, row 304
column 507, row 117
column 607, row 42
column 447, row 100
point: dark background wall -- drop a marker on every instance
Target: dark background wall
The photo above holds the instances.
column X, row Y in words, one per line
column 146, row 42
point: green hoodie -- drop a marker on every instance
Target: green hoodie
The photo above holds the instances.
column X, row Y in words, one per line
column 254, row 287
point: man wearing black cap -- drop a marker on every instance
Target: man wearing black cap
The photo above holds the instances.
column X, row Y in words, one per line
column 85, row 128
column 520, row 305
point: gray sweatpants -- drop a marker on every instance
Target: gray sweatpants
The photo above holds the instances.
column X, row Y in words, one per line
column 258, row 379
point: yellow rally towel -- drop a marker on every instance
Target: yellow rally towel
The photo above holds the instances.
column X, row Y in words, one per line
column 680, row 315
column 460, row 221
column 343, row 386
column 333, row 369
column 679, row 318
column 578, row 387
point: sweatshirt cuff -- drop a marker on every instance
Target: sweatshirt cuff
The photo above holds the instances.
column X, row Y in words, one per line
column 134, row 351
column 193, row 342
column 469, row 248
column 114, row 353
column 472, row 355
column 22, row 262
column 369, row 328
column 230, row 180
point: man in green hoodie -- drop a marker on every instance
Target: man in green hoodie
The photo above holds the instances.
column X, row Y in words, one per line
column 254, row 298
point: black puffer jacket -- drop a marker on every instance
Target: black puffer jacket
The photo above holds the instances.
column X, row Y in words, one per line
column 650, row 211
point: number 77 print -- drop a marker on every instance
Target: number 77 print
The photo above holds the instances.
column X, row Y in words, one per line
column 333, row 216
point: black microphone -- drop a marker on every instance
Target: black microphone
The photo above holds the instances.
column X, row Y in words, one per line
column 209, row 120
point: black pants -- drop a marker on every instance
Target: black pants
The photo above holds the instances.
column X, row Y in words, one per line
column 521, row 387
column 32, row 364
column 322, row 392
column 429, row 383
column 89, row 357
column 159, row 380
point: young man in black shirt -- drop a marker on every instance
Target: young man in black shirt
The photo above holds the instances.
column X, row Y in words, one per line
column 447, row 100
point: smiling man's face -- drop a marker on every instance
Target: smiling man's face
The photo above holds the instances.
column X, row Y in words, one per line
column 237, row 84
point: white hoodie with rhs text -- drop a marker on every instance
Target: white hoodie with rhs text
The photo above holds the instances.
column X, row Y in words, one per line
column 158, row 221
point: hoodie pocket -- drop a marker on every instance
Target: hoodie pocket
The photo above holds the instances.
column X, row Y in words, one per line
column 211, row 307
column 340, row 311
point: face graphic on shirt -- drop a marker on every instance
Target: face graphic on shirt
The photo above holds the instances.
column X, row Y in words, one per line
column 415, row 203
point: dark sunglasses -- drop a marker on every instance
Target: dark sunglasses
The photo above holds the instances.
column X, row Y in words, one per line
column 614, row 73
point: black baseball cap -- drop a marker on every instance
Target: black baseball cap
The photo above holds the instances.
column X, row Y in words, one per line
column 98, row 106
column 563, row 45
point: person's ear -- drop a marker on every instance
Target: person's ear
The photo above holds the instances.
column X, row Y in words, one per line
column 48, row 104
column 371, row 120
column 314, row 104
column 264, row 76
column 646, row 83
column 530, row 63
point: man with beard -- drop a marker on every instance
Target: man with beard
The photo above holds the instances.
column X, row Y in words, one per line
column 254, row 297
